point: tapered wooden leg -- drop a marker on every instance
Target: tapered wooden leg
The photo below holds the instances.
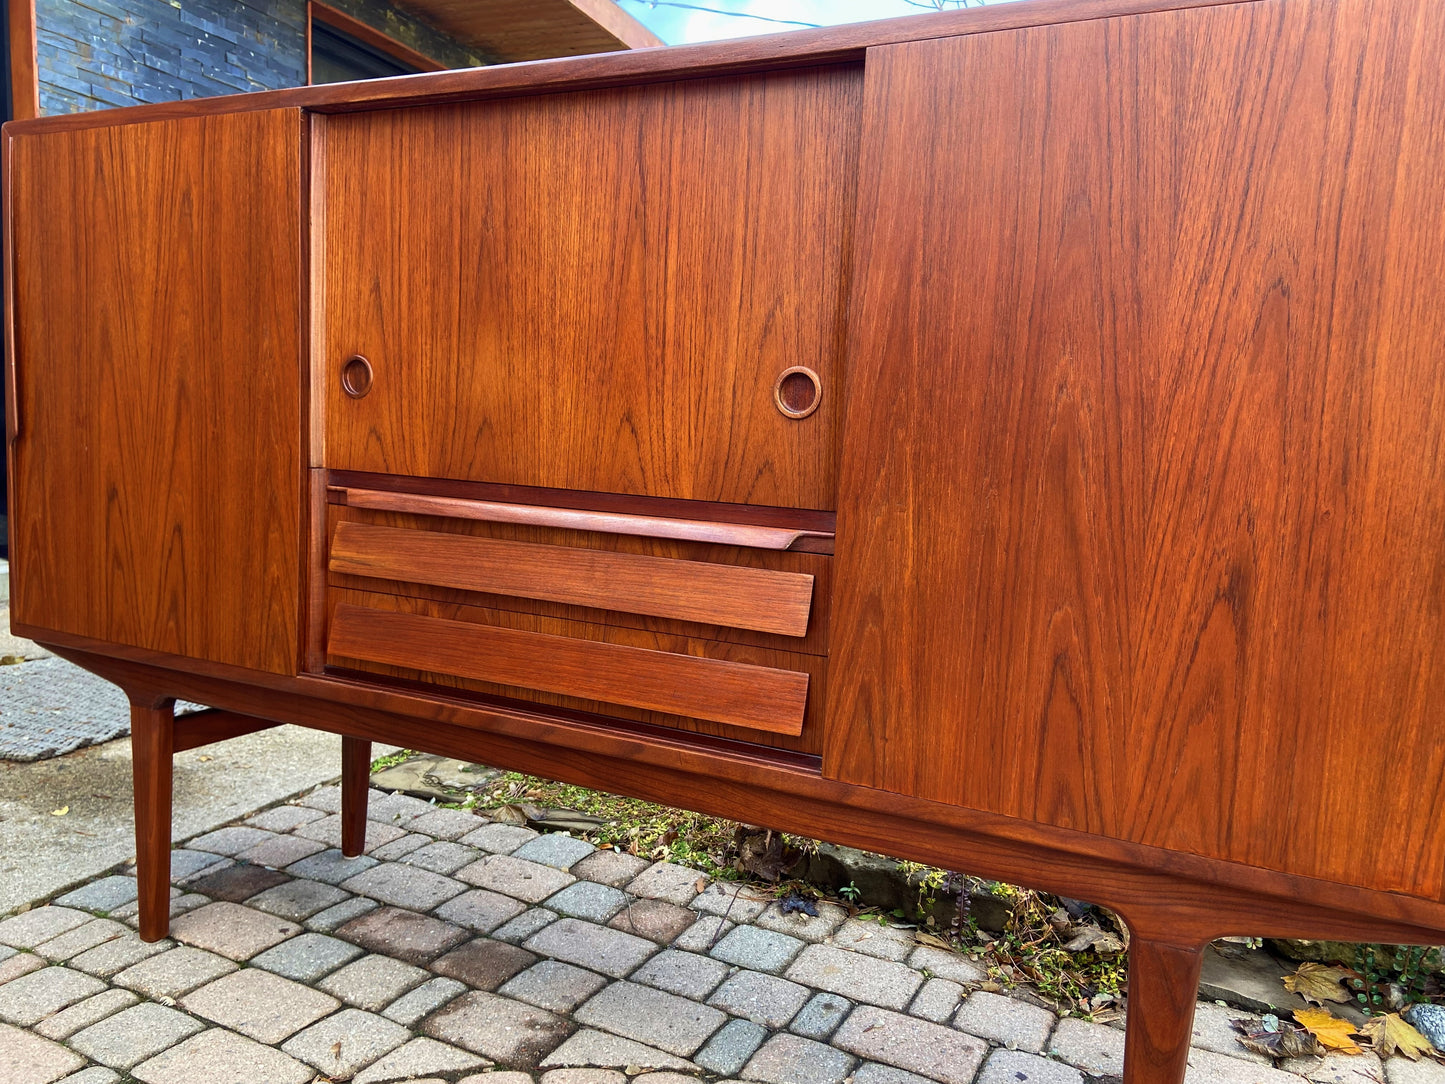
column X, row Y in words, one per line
column 1163, row 988
column 355, row 780
column 152, row 742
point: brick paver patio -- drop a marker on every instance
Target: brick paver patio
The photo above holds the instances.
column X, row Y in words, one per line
column 459, row 950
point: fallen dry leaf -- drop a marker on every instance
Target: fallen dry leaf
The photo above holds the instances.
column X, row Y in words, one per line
column 1317, row 983
column 62, row 811
column 1287, row 1041
column 1091, row 937
column 1391, row 1033
column 1332, row 1032
column 932, row 942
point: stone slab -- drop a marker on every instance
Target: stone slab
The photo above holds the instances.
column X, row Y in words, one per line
column 655, row 1017
column 906, row 1042
column 518, row 1036
column 256, row 1003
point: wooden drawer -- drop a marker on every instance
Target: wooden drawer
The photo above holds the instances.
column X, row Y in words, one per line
column 657, row 625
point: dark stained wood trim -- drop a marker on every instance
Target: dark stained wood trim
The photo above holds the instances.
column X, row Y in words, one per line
column 24, row 71
column 1200, row 898
column 369, row 35
column 204, row 727
column 803, row 48
column 618, row 23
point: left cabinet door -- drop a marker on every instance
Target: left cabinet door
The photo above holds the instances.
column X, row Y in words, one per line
column 157, row 315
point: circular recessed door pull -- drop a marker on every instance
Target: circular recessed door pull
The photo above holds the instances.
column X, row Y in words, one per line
column 356, row 376
column 798, row 391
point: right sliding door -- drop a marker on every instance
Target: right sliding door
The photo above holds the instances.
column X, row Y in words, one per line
column 1141, row 523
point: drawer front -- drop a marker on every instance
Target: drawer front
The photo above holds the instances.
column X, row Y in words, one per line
column 594, row 290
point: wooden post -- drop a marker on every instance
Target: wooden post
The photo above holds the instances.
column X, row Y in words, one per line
column 24, row 75
column 355, row 780
column 1163, row 987
column 152, row 741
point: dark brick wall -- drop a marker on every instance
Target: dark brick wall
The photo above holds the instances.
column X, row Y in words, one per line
column 93, row 54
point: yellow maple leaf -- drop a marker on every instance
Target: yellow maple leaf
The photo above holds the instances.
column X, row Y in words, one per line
column 1332, row 1032
column 1317, row 983
column 1391, row 1033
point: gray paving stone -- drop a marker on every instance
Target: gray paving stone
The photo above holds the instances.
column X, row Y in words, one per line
column 792, row 1059
column 418, row 1058
column 651, row 1016
column 109, row 959
column 406, row 935
column 84, row 1013
column 30, row 1059
column 133, row 1035
column 328, row 831
column 31, row 998
column 1337, row 1068
column 308, row 957
column 729, row 1050
column 499, row 838
column 947, row 965
column 404, row 886
column 497, row 1078
column 173, row 973
column 342, row 1045
column 937, row 1001
column 129, row 913
column 804, row 927
column 395, row 808
column 735, row 902
column 524, row 925
column 656, row 920
column 373, row 982
column 1208, row 1067
column 556, row 849
column 105, row 894
column 665, row 1078
column 588, row 899
column 257, row 1003
column 187, row 864
column 335, row 917
column 599, row 1049
column 330, row 866
column 442, row 857
column 668, row 881
column 553, row 985
column 281, row 851
column 584, row 1076
column 703, row 935
column 484, row 964
column 614, row 868
column 498, row 1028
column 687, row 974
column 325, row 798
column 821, row 1016
column 32, row 928
column 757, row 950
column 872, row 1072
column 763, row 999
column 18, row 964
column 1021, row 1067
column 284, row 818
column 230, row 841
column 1004, row 1020
column 598, row 948
column 905, row 1042
column 874, row 939
column 448, row 824
column 400, row 848
column 425, row 999
column 861, row 978
column 527, row 881
column 482, row 911
column 6, row 952
column 228, row 1058
column 230, row 930
column 236, row 882
column 82, row 939
column 96, row 1074
column 1097, row 1049
column 1213, row 1031
column 297, row 900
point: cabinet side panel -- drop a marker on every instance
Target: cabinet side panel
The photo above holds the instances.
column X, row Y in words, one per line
column 157, row 470
column 1142, row 507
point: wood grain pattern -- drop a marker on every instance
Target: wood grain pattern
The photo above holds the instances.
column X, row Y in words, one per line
column 1152, row 512
column 1163, row 992
column 157, row 474
column 547, row 301
column 511, row 30
column 755, row 697
column 24, row 74
column 205, row 727
column 746, row 598
column 152, row 742
column 692, row 530
column 355, row 788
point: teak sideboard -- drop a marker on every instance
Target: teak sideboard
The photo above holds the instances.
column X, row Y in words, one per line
column 1009, row 439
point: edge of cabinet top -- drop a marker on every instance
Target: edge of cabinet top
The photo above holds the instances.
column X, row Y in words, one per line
column 791, row 49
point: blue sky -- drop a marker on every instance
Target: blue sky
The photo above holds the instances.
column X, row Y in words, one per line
column 676, row 21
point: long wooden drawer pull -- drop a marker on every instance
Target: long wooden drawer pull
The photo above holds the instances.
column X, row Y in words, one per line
column 734, row 693
column 761, row 599
column 690, row 530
